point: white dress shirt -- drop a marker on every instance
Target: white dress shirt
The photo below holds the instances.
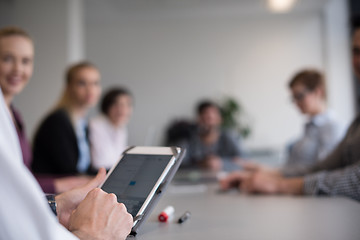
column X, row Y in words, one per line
column 24, row 212
column 107, row 142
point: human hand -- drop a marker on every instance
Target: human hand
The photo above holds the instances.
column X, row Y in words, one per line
column 251, row 182
column 67, row 183
column 68, row 201
column 262, row 182
column 239, row 178
column 100, row 216
column 233, row 180
column 270, row 183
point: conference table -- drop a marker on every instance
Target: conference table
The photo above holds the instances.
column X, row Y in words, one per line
column 235, row 215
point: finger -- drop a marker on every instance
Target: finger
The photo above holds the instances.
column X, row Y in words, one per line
column 95, row 182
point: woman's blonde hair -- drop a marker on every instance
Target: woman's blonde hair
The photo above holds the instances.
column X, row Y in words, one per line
column 65, row 101
column 11, row 31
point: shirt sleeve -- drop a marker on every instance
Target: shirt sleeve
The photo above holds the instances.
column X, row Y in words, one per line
column 342, row 182
column 24, row 212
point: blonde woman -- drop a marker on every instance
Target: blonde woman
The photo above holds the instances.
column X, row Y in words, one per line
column 61, row 144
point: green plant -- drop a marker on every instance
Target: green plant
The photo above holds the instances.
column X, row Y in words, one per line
column 232, row 114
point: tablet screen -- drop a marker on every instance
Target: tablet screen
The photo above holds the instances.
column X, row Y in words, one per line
column 134, row 177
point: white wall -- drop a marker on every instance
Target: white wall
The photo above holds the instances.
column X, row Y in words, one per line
column 172, row 54
column 337, row 59
column 170, row 61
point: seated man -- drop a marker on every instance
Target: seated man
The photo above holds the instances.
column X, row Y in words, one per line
column 322, row 131
column 338, row 174
column 208, row 145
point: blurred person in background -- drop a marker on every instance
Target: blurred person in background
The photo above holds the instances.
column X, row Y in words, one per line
column 61, row 144
column 96, row 215
column 322, row 131
column 337, row 175
column 208, row 146
column 16, row 68
column 108, row 131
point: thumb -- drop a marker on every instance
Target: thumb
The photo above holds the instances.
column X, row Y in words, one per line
column 97, row 180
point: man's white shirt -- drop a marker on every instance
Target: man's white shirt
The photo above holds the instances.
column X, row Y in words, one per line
column 24, row 212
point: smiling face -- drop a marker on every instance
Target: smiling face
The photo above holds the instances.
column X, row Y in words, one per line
column 84, row 87
column 16, row 64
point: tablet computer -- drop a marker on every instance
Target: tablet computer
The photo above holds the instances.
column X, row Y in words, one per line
column 140, row 176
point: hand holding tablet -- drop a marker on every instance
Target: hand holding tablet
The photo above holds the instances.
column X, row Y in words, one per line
column 139, row 177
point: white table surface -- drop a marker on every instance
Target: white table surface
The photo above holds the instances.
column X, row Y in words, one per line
column 234, row 215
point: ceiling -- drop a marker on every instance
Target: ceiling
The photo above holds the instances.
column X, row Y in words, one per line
column 115, row 9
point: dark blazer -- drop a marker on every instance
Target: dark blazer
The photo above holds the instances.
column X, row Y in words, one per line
column 55, row 147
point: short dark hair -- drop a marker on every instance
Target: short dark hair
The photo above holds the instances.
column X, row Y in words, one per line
column 110, row 98
column 203, row 105
column 311, row 79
